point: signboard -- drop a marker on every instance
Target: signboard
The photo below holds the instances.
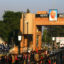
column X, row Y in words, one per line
column 60, row 40
column 42, row 15
column 53, row 15
column 61, row 15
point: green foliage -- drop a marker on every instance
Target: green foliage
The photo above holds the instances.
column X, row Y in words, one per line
column 12, row 19
column 10, row 24
column 55, row 31
column 52, row 31
column 46, row 37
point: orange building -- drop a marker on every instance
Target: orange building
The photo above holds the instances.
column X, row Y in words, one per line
column 31, row 28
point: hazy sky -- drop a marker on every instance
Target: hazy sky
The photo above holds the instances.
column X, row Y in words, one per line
column 33, row 5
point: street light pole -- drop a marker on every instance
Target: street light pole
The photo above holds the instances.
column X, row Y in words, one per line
column 19, row 48
column 19, row 39
column 53, row 42
column 53, row 39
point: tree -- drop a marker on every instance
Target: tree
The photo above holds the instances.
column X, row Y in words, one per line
column 10, row 24
column 12, row 19
column 52, row 31
column 46, row 37
column 55, row 31
column 3, row 31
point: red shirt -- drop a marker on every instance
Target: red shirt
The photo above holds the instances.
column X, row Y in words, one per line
column 41, row 57
column 49, row 61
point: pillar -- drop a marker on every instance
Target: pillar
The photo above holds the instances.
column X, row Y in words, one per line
column 34, row 36
column 25, row 44
column 22, row 44
column 40, row 40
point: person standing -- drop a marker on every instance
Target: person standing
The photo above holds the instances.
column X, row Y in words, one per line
column 10, row 59
column 32, row 57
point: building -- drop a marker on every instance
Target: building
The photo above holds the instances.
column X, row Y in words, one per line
column 31, row 27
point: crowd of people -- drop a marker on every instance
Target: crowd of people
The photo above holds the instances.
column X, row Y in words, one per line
column 24, row 58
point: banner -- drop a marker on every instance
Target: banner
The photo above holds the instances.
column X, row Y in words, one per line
column 53, row 15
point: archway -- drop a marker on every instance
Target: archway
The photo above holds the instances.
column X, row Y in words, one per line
column 30, row 24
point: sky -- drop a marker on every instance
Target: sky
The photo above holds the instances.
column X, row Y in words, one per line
column 33, row 5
